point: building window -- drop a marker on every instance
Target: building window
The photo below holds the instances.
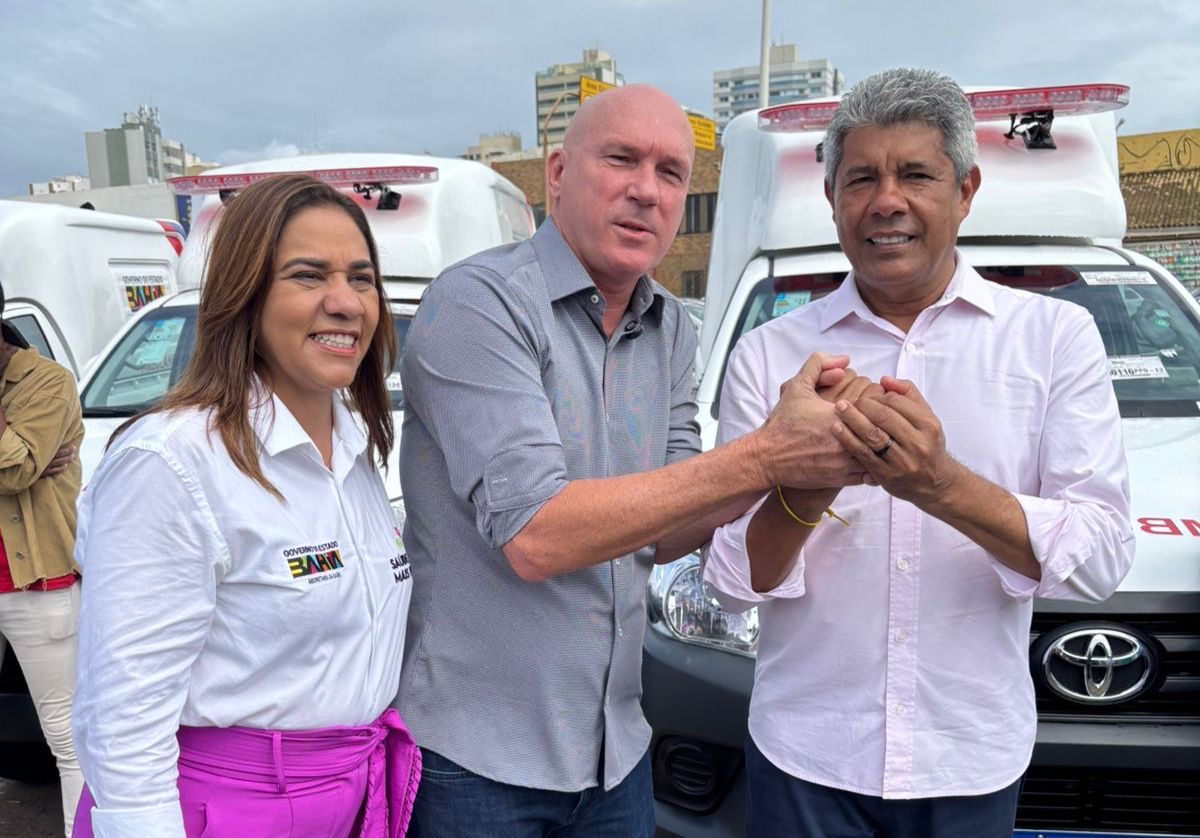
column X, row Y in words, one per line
column 692, row 284
column 698, row 213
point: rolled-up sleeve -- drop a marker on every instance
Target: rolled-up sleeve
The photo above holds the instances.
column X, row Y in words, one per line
column 744, row 407
column 1078, row 522
column 472, row 374
column 149, row 592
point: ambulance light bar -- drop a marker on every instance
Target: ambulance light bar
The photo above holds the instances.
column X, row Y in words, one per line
column 381, row 175
column 1067, row 100
column 1070, row 100
column 797, row 116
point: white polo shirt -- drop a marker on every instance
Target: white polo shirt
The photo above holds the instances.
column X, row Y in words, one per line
column 207, row 601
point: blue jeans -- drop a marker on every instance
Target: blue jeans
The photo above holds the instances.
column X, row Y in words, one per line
column 779, row 804
column 452, row 802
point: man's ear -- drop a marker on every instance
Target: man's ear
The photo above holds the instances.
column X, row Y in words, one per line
column 967, row 190
column 554, row 171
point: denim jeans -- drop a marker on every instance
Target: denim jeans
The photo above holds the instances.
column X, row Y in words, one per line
column 452, row 802
column 779, row 804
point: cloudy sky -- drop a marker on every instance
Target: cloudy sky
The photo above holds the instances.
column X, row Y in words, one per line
column 239, row 80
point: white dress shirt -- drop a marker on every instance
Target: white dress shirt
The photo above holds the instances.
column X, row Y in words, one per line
column 210, row 602
column 894, row 658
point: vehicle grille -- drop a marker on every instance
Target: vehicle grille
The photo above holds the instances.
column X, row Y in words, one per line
column 1165, row 802
column 1173, row 697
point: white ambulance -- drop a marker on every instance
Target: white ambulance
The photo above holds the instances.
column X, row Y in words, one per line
column 426, row 213
column 73, row 277
column 1118, row 684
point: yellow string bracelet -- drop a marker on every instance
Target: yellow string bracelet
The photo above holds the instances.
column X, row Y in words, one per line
column 810, row 524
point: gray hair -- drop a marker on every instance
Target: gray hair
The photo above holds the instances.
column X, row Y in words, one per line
column 905, row 94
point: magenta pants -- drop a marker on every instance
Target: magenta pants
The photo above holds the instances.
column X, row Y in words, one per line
column 335, row 781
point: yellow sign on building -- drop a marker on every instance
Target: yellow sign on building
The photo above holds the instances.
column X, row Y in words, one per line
column 704, row 132
column 1160, row 152
column 590, row 87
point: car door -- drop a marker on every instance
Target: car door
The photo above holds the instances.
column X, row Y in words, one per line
column 39, row 331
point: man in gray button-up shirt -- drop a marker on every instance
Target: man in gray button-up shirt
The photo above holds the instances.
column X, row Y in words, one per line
column 548, row 458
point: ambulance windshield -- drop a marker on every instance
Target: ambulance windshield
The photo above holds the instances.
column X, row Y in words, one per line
column 1152, row 341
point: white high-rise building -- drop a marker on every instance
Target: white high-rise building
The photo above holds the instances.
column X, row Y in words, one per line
column 135, row 153
column 736, row 91
column 551, row 84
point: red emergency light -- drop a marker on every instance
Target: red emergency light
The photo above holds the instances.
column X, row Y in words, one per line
column 797, row 116
column 382, row 175
column 1065, row 100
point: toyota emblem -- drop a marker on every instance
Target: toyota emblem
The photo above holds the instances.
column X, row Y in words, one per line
column 1097, row 664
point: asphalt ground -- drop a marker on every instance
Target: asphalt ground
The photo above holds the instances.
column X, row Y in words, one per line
column 30, row 810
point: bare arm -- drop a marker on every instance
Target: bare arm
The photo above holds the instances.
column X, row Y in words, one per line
column 774, row 538
column 591, row 521
column 917, row 468
column 699, row 532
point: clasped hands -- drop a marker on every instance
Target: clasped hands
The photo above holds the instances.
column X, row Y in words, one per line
column 859, row 431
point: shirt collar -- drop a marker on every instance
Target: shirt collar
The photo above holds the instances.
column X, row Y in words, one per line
column 20, row 364
column 965, row 284
column 564, row 275
column 277, row 429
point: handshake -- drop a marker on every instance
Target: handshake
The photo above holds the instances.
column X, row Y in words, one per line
column 833, row 428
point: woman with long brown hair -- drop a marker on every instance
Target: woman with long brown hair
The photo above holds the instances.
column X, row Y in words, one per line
column 246, row 591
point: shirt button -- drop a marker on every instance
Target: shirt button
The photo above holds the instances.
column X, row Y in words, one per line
column 595, row 298
column 912, row 347
column 617, row 562
column 902, row 563
column 19, row 556
column 899, row 710
column 16, row 519
column 901, row 638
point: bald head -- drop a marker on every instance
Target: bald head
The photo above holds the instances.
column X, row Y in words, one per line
column 619, row 183
column 639, row 104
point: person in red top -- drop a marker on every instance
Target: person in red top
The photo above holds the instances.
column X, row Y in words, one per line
column 40, row 431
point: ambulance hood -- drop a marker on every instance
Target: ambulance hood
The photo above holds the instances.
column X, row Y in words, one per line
column 1164, row 468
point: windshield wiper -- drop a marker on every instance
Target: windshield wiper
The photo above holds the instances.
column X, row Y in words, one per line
column 110, row 412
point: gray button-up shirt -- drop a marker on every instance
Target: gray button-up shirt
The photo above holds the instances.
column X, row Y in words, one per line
column 512, row 390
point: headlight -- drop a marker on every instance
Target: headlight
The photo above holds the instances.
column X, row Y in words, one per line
column 684, row 608
column 399, row 513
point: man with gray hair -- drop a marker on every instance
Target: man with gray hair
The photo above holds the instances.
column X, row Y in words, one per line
column 892, row 694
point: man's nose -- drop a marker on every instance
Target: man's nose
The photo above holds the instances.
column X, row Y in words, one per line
column 643, row 186
column 889, row 198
